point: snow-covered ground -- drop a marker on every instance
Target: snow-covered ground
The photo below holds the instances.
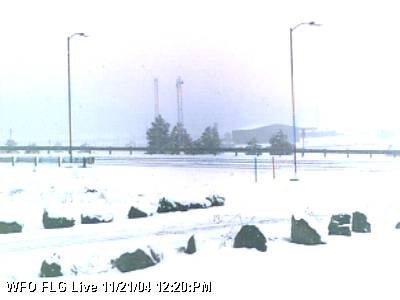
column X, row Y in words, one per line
column 361, row 266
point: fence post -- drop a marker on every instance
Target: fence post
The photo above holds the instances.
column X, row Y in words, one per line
column 59, row 161
column 36, row 161
column 273, row 167
column 255, row 169
column 84, row 162
column 109, row 151
column 13, row 161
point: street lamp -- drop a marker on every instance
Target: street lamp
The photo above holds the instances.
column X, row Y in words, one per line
column 69, row 93
column 293, row 103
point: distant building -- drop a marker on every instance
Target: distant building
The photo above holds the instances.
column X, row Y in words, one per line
column 263, row 133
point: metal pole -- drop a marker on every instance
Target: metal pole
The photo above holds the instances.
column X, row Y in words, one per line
column 255, row 169
column 69, row 103
column 293, row 106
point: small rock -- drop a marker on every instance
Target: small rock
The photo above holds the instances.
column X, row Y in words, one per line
column 250, row 237
column 398, row 225
column 191, row 246
column 302, row 233
column 135, row 213
column 50, row 270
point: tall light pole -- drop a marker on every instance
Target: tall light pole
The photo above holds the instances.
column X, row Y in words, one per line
column 293, row 102
column 69, row 93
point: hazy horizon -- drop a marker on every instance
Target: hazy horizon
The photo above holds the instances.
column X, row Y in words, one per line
column 232, row 56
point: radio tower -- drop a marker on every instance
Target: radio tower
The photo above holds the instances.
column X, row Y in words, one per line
column 156, row 99
column 179, row 83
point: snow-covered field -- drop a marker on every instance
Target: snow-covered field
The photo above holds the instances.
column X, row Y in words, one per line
column 360, row 266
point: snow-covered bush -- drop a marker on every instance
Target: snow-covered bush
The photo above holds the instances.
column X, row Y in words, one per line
column 12, row 227
column 216, row 200
column 86, row 219
column 165, row 206
column 60, row 222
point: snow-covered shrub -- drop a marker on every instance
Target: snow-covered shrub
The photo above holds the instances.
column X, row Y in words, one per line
column 50, row 269
column 61, row 222
column 85, row 219
column 250, row 237
column 216, row 200
column 12, row 227
column 191, row 246
column 302, row 233
column 136, row 213
column 359, row 223
column 336, row 225
column 165, row 206
column 134, row 261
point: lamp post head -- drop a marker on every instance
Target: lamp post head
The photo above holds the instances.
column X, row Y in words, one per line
column 78, row 34
column 312, row 23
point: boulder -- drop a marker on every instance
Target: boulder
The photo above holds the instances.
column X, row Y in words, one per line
column 12, row 227
column 360, row 223
column 191, row 246
column 250, row 237
column 302, row 233
column 335, row 229
column 133, row 261
column 336, row 225
column 398, row 225
column 216, row 200
column 341, row 219
column 165, row 206
column 135, row 213
column 94, row 219
column 51, row 223
column 50, row 270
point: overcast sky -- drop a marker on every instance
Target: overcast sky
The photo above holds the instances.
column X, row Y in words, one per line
column 232, row 55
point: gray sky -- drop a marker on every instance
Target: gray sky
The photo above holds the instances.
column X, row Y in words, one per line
column 232, row 55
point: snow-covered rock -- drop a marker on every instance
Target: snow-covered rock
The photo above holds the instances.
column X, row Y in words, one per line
column 360, row 223
column 250, row 237
column 302, row 233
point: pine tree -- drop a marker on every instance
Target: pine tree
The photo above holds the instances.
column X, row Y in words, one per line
column 158, row 136
column 180, row 139
column 280, row 145
column 210, row 141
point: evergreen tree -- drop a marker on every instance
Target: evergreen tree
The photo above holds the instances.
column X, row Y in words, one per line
column 180, row 139
column 158, row 136
column 280, row 145
column 209, row 141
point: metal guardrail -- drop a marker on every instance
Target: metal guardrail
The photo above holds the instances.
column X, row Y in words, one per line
column 110, row 149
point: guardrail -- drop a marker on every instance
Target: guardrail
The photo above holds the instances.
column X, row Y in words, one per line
column 130, row 150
